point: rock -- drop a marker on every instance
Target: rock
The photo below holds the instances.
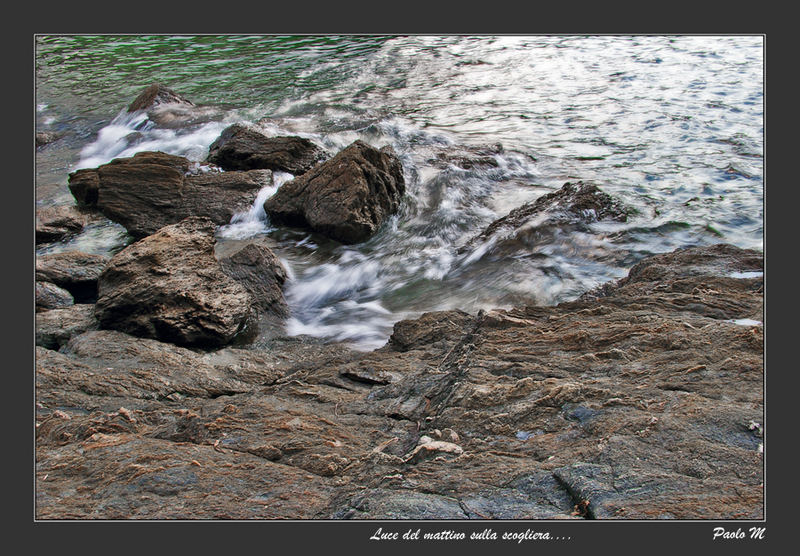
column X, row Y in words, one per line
column 75, row 271
column 346, row 198
column 646, row 402
column 256, row 267
column 429, row 328
column 157, row 94
column 46, row 137
column 59, row 222
column 532, row 223
column 242, row 148
column 50, row 296
column 55, row 327
column 85, row 186
column 168, row 286
column 466, row 157
column 393, row 504
column 166, row 108
column 721, row 260
column 429, row 448
column 151, row 190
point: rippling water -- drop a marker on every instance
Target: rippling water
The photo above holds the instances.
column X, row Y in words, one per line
column 672, row 126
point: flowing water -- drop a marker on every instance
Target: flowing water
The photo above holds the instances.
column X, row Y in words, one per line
column 670, row 125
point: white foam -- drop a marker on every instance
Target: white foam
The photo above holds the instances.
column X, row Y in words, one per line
column 254, row 221
column 746, row 322
column 747, row 274
column 130, row 133
column 332, row 281
column 479, row 251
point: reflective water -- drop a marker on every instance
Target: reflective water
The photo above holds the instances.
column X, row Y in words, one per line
column 672, row 126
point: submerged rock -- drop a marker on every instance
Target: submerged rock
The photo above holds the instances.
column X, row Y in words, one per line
column 166, row 108
column 466, row 157
column 59, row 222
column 242, row 148
column 168, row 286
column 46, row 137
column 75, row 271
column 155, row 95
column 573, row 204
column 346, row 198
column 152, row 189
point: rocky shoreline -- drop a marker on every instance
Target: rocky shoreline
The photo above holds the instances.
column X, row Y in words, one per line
column 643, row 399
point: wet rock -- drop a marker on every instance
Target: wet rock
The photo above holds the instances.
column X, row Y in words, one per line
column 574, row 204
column 346, row 198
column 46, row 137
column 55, row 223
column 50, row 296
column 151, row 190
column 166, row 108
column 669, row 270
column 256, row 267
column 243, row 148
column 85, row 186
column 157, row 94
column 75, row 271
column 55, row 327
column 168, row 286
column 466, row 157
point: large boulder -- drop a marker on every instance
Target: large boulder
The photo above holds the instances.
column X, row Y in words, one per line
column 256, row 267
column 58, row 222
column 74, row 271
column 346, row 198
column 169, row 287
column 242, row 148
column 152, row 189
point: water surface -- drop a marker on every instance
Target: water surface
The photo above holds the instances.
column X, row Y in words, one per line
column 672, row 126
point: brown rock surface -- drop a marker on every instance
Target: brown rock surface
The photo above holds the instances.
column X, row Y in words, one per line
column 74, row 271
column 643, row 401
column 569, row 208
column 152, row 189
column 55, row 327
column 55, row 223
column 155, row 95
column 50, row 296
column 169, row 286
column 256, row 267
column 242, row 148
